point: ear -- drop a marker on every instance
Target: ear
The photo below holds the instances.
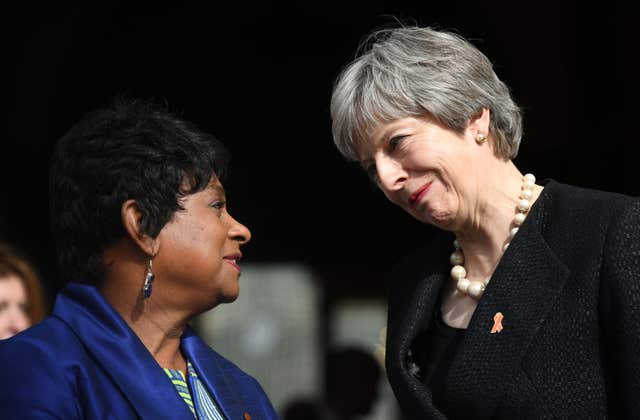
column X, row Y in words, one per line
column 479, row 124
column 131, row 220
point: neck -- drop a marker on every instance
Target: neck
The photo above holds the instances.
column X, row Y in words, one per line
column 483, row 237
column 158, row 327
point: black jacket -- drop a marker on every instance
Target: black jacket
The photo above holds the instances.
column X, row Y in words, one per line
column 569, row 289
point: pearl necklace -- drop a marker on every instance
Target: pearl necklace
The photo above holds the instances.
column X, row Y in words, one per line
column 475, row 288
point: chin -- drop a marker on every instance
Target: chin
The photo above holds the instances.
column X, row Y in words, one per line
column 440, row 219
column 228, row 299
column 229, row 295
column 218, row 297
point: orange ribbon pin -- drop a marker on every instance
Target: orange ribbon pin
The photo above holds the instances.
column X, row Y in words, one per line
column 497, row 323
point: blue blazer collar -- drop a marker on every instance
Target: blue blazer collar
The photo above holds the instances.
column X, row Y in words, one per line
column 121, row 354
column 211, row 372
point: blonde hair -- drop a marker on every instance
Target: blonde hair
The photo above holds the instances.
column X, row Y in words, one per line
column 13, row 263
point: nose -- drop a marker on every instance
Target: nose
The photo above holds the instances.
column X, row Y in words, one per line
column 391, row 174
column 239, row 232
column 17, row 321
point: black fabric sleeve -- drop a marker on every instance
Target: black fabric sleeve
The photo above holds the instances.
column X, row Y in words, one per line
column 620, row 312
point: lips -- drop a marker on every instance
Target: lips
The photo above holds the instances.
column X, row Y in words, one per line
column 419, row 193
column 234, row 260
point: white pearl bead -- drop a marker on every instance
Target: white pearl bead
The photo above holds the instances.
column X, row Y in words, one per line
column 475, row 289
column 457, row 258
column 458, row 272
column 463, row 285
column 523, row 205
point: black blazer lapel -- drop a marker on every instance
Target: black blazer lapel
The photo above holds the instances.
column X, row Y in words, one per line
column 409, row 313
column 523, row 288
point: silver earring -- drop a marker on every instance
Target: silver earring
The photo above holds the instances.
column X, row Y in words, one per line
column 481, row 138
column 148, row 281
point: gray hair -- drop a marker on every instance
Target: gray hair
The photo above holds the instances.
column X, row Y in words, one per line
column 412, row 71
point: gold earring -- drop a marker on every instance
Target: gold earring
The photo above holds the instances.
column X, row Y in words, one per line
column 481, row 138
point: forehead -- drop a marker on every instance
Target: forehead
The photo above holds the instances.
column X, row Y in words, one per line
column 381, row 132
column 215, row 186
column 12, row 286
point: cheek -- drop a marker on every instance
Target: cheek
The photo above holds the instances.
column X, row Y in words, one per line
column 24, row 320
column 204, row 246
column 196, row 245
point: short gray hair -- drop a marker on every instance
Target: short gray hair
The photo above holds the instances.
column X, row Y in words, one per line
column 414, row 71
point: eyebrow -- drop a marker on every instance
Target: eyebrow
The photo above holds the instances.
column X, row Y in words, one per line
column 217, row 188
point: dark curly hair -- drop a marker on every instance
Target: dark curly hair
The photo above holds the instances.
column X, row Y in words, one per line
column 132, row 149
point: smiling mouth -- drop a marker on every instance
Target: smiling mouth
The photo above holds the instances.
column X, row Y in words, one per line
column 234, row 260
column 417, row 195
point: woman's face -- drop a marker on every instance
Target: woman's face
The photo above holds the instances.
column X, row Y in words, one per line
column 13, row 306
column 425, row 168
column 199, row 251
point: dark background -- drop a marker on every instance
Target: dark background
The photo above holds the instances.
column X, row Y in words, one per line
column 259, row 76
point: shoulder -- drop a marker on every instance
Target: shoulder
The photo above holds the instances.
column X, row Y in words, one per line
column 622, row 246
column 579, row 217
column 46, row 341
column 568, row 199
column 36, row 361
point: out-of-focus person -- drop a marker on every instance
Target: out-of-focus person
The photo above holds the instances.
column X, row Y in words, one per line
column 21, row 296
column 352, row 380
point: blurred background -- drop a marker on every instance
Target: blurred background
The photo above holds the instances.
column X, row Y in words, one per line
column 258, row 75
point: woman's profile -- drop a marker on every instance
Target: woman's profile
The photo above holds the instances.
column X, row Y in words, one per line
column 146, row 241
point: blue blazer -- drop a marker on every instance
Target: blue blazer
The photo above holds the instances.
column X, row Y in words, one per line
column 84, row 362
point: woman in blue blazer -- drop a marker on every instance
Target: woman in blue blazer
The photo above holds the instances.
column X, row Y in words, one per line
column 144, row 236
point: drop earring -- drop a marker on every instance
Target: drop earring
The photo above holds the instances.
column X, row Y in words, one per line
column 481, row 138
column 147, row 288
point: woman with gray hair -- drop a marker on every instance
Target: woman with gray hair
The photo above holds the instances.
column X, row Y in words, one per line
column 526, row 303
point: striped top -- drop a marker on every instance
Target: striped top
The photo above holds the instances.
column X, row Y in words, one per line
column 194, row 394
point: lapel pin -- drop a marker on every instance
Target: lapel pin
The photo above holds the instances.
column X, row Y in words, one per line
column 497, row 323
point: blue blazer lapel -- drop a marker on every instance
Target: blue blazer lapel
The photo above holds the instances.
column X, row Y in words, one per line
column 210, row 368
column 120, row 353
column 523, row 288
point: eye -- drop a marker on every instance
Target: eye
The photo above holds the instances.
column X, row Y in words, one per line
column 218, row 205
column 395, row 141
